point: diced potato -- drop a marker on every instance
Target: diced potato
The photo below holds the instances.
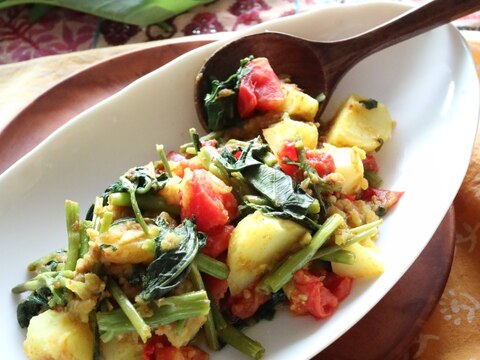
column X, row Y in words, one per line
column 368, row 262
column 55, row 335
column 287, row 129
column 258, row 244
column 182, row 338
column 348, row 163
column 298, row 104
column 357, row 125
column 126, row 347
column 124, row 243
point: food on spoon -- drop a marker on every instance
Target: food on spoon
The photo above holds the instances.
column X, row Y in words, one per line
column 212, row 237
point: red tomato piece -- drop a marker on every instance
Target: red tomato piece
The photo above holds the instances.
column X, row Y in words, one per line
column 158, row 348
column 217, row 240
column 246, row 304
column 247, row 101
column 216, row 288
column 370, row 163
column 309, row 295
column 321, row 161
column 340, row 286
column 259, row 89
column 385, row 198
column 287, row 154
column 208, row 199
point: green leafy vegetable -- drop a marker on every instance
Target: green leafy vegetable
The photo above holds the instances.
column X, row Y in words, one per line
column 170, row 267
column 221, row 102
column 135, row 12
column 369, row 104
column 32, row 306
column 166, row 311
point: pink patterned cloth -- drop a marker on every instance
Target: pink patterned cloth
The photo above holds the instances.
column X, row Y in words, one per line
column 61, row 31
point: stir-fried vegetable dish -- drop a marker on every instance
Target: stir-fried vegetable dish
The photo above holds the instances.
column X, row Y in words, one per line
column 268, row 212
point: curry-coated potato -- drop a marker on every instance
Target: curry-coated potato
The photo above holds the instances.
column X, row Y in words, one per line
column 287, row 129
column 126, row 347
column 258, row 244
column 348, row 163
column 368, row 263
column 299, row 104
column 361, row 122
column 55, row 335
column 124, row 243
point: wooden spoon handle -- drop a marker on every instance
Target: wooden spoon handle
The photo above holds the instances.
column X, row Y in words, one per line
column 344, row 54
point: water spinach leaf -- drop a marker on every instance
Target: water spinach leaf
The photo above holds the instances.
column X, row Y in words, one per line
column 175, row 250
column 221, row 102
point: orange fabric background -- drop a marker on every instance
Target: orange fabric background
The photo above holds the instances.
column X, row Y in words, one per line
column 453, row 331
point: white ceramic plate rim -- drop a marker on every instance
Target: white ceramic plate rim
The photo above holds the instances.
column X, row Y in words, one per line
column 307, row 337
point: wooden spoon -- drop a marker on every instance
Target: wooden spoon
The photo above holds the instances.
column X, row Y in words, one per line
column 317, row 67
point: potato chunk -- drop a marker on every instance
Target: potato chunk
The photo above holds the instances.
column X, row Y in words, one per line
column 126, row 347
column 55, row 335
column 288, row 129
column 368, row 262
column 258, row 244
column 124, row 243
column 361, row 122
column 298, row 104
column 348, row 164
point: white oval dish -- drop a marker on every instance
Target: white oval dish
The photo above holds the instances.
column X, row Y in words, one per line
column 429, row 84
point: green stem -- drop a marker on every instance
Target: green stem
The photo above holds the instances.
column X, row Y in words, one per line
column 84, row 247
column 275, row 280
column 334, row 248
column 235, row 337
column 212, row 267
column 209, row 326
column 195, row 139
column 129, row 310
column 340, row 256
column 166, row 311
column 147, row 202
column 138, row 213
column 72, row 214
column 163, row 158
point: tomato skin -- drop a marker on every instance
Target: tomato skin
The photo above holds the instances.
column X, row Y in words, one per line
column 216, row 288
column 384, row 198
column 370, row 163
column 158, row 348
column 288, row 153
column 208, row 199
column 246, row 304
column 310, row 296
column 322, row 162
column 340, row 286
column 218, row 239
column 259, row 89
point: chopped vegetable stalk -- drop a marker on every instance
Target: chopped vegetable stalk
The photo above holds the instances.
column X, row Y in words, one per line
column 211, row 266
column 195, row 139
column 166, row 311
column 334, row 248
column 340, row 256
column 234, row 337
column 275, row 280
column 145, row 202
column 163, row 158
column 209, row 326
column 143, row 330
column 84, row 225
column 72, row 214
column 138, row 213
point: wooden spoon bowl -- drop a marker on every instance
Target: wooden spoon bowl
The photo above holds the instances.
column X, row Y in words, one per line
column 318, row 67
